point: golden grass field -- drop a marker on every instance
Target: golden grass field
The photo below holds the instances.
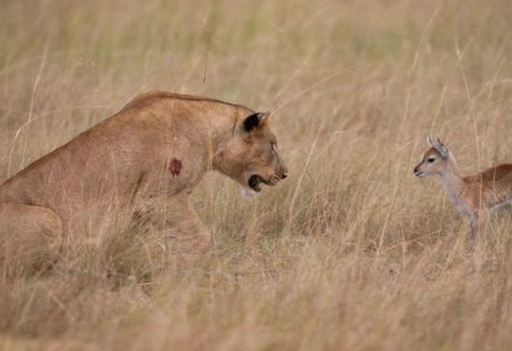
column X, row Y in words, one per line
column 351, row 252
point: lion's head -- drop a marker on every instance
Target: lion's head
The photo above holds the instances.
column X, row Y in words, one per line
column 250, row 156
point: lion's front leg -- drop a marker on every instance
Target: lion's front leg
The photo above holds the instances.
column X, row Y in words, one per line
column 187, row 237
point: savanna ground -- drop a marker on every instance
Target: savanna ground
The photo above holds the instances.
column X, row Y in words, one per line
column 351, row 252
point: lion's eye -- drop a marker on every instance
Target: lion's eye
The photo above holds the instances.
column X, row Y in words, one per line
column 431, row 160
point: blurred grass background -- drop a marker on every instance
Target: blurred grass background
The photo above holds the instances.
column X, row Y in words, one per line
column 351, row 252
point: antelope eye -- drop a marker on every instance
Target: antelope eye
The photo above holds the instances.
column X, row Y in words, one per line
column 431, row 160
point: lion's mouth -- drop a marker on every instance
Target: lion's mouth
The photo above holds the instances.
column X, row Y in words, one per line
column 255, row 182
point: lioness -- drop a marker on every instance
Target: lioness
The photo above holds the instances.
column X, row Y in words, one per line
column 143, row 162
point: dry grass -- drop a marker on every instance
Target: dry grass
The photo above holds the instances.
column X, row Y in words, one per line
column 352, row 253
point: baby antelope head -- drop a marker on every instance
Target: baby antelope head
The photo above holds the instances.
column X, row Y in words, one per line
column 435, row 160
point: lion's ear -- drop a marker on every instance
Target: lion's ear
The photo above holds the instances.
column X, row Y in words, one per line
column 255, row 120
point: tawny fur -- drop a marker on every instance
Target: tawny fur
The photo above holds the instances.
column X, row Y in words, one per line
column 117, row 174
column 475, row 196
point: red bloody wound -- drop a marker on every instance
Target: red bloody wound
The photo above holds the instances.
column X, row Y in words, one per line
column 175, row 167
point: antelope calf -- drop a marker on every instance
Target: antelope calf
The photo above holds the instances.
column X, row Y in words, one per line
column 474, row 196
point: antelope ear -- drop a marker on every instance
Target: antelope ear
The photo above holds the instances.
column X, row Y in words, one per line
column 443, row 150
column 438, row 145
column 255, row 120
